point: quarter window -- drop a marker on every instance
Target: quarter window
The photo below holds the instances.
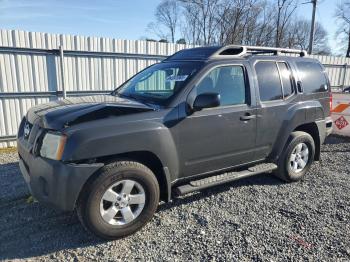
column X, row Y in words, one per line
column 228, row 82
column 269, row 81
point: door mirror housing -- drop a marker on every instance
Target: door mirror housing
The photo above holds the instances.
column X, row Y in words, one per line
column 206, row 100
column 324, row 87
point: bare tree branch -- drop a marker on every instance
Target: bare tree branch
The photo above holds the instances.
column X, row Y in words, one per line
column 343, row 16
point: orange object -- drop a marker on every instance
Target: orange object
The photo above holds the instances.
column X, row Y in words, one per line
column 340, row 108
column 61, row 147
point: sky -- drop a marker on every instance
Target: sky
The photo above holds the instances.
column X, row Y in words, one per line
column 122, row 19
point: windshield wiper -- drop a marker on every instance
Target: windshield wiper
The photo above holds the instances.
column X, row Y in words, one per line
column 136, row 98
column 126, row 96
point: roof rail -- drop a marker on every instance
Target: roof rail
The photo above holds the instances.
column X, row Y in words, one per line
column 230, row 51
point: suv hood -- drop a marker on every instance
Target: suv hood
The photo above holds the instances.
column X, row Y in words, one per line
column 63, row 113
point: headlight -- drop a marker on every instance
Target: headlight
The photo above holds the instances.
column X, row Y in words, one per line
column 53, row 146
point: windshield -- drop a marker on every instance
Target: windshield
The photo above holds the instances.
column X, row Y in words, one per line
column 160, row 82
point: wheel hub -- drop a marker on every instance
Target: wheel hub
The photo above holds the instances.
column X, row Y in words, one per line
column 299, row 157
column 122, row 202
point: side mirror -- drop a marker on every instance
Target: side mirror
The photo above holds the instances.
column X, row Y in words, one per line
column 324, row 87
column 206, row 100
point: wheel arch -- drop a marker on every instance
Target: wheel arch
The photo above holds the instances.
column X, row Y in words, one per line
column 312, row 129
column 147, row 158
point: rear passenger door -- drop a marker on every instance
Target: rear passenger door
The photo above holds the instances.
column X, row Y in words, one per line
column 276, row 92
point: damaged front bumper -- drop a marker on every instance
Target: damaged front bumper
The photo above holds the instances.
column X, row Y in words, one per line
column 53, row 182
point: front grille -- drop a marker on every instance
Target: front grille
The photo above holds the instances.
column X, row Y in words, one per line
column 32, row 135
column 27, row 128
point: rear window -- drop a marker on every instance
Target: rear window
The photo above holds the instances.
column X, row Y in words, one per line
column 312, row 77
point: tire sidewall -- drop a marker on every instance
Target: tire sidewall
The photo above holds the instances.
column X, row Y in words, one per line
column 299, row 137
column 92, row 206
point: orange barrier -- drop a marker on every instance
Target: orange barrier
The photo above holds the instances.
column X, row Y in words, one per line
column 341, row 114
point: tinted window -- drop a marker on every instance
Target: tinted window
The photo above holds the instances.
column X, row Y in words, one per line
column 228, row 81
column 312, row 77
column 286, row 77
column 269, row 81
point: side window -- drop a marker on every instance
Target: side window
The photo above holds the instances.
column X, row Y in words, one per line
column 312, row 77
column 269, row 81
column 228, row 81
column 286, row 77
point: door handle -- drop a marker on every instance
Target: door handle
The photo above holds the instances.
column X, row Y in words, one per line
column 247, row 117
column 300, row 87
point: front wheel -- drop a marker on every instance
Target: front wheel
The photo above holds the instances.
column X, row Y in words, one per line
column 122, row 199
column 297, row 157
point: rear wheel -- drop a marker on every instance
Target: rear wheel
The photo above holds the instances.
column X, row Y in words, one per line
column 121, row 200
column 297, row 157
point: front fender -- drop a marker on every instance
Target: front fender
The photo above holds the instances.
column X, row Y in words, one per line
column 100, row 140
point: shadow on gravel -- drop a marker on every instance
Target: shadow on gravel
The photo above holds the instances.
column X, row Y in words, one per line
column 41, row 231
column 263, row 179
column 336, row 139
column 30, row 229
column 33, row 229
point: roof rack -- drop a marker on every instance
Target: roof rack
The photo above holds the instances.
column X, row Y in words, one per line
column 230, row 51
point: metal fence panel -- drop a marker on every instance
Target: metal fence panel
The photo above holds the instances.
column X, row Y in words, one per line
column 30, row 69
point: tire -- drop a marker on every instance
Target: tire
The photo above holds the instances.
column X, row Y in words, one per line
column 101, row 197
column 286, row 166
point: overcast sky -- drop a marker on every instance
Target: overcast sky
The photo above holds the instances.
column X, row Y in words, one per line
column 123, row 19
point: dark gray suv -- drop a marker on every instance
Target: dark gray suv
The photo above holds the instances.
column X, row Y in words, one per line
column 203, row 117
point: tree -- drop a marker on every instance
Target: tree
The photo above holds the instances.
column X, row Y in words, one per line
column 181, row 41
column 167, row 14
column 284, row 11
column 201, row 16
column 237, row 19
column 248, row 22
column 264, row 30
column 298, row 36
column 190, row 25
column 343, row 16
column 155, row 29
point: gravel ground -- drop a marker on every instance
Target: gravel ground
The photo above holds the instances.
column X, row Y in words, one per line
column 258, row 218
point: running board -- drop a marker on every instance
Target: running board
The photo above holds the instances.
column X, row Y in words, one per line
column 223, row 178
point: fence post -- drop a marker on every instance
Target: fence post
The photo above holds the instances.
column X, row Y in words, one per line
column 344, row 76
column 62, row 72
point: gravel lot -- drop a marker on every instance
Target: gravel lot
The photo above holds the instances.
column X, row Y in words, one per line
column 258, row 218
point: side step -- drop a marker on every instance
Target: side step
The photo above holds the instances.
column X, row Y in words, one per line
column 223, row 178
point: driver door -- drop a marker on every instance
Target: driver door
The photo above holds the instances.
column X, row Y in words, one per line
column 221, row 137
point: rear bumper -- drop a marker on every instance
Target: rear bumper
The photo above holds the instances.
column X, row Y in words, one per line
column 325, row 128
column 53, row 182
column 329, row 125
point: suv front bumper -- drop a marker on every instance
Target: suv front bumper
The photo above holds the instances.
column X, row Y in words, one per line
column 53, row 182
